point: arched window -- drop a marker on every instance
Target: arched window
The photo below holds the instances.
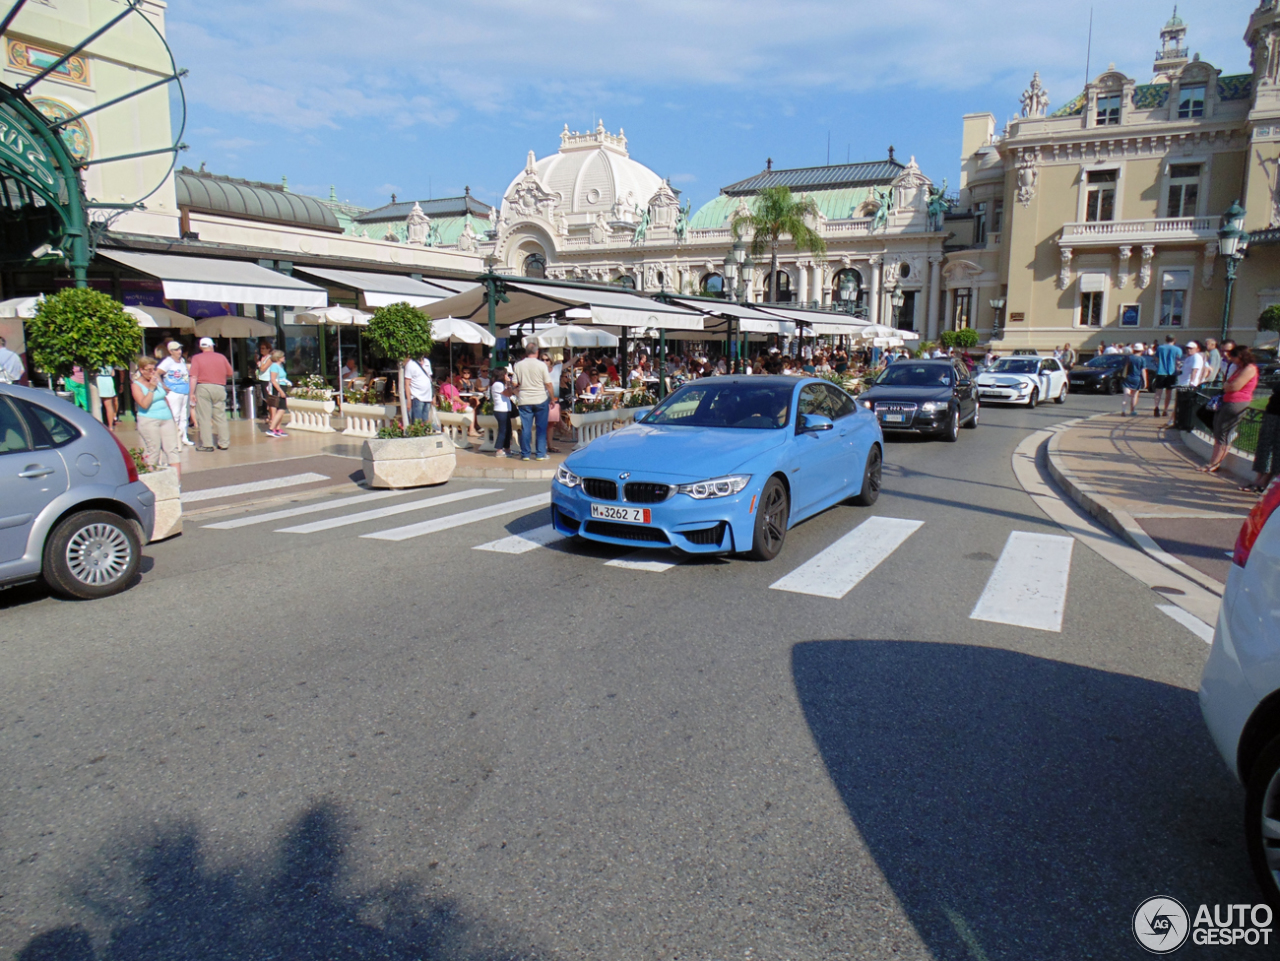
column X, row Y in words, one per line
column 626, row 280
column 846, row 288
column 535, row 265
column 784, row 288
column 713, row 285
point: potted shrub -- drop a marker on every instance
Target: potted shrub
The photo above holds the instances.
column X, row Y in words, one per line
column 311, row 404
column 165, row 485
column 591, row 419
column 84, row 328
column 399, row 332
column 635, row 403
column 416, row 456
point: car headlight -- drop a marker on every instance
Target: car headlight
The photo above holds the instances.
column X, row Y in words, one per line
column 715, row 487
column 930, row 406
column 567, row 477
column 866, row 403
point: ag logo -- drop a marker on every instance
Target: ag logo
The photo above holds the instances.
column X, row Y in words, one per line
column 1161, row 925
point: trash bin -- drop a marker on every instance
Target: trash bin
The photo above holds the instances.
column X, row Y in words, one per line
column 248, row 408
column 1184, row 408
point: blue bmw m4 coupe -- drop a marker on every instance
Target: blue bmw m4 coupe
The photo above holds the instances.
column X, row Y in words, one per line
column 723, row 465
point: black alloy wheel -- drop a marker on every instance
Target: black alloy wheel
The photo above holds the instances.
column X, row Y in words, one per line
column 772, row 514
column 973, row 421
column 871, row 479
column 1262, row 821
column 952, row 430
column 1112, row 386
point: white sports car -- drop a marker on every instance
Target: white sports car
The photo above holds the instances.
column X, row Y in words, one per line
column 1022, row 380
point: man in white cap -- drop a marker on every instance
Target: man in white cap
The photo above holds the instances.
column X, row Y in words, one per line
column 1191, row 374
column 209, row 371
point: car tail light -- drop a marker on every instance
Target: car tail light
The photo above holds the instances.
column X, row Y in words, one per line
column 1254, row 523
column 129, row 465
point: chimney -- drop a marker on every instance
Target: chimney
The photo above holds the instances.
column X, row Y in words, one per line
column 768, row 164
column 891, row 153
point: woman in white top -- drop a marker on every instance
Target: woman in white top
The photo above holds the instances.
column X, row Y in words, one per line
column 499, row 388
column 176, row 383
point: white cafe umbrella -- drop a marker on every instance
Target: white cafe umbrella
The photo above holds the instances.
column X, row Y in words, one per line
column 24, row 307
column 235, row 327
column 448, row 329
column 160, row 317
column 571, row 335
column 335, row 316
column 873, row 332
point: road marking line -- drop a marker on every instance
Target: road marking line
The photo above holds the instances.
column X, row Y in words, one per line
column 646, row 559
column 837, row 570
column 231, row 490
column 457, row 520
column 523, row 542
column 1028, row 587
column 305, row 509
column 1188, row 620
column 374, row 514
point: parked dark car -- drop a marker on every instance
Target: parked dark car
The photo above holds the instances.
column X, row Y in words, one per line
column 923, row 397
column 1097, row 375
column 72, row 510
column 1268, row 366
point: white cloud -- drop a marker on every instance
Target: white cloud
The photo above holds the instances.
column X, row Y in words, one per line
column 308, row 64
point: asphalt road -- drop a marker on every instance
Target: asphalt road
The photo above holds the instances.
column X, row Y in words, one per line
column 318, row 745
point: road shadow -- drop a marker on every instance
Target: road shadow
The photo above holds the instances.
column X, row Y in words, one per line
column 158, row 899
column 1021, row 807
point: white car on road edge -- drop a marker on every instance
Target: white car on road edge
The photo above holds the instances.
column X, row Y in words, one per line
column 1240, row 688
column 1022, row 380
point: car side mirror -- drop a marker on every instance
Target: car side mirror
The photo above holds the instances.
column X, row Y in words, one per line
column 965, row 382
column 640, row 415
column 811, row 423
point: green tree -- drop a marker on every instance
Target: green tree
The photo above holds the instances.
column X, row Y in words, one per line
column 400, row 332
column 774, row 214
column 1270, row 319
column 85, row 328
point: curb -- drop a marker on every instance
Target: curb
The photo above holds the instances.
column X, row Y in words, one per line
column 1121, row 522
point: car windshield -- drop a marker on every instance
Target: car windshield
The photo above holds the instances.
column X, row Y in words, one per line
column 1016, row 365
column 915, row 375
column 1107, row 360
column 726, row 404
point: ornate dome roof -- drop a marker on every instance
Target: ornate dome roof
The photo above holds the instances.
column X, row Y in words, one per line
column 592, row 173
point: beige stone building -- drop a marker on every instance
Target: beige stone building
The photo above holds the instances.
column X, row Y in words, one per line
column 1099, row 221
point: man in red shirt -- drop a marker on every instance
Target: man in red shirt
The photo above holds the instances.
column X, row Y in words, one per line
column 208, row 373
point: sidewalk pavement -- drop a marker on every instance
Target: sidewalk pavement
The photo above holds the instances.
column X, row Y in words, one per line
column 257, row 467
column 1140, row 480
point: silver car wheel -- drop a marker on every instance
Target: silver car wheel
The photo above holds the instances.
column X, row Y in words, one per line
column 98, row 554
column 1270, row 818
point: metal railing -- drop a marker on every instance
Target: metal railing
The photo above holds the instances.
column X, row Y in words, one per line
column 1245, row 435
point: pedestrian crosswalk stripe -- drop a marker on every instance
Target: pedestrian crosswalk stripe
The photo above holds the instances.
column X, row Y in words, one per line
column 653, row 561
column 304, row 509
column 837, row 570
column 232, row 490
column 371, row 515
column 1028, row 587
column 523, row 542
column 1188, row 620
column 457, row 520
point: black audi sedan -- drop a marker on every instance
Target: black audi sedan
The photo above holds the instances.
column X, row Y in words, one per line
column 1100, row 374
column 923, row 397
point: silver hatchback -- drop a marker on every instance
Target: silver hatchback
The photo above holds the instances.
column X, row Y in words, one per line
column 72, row 509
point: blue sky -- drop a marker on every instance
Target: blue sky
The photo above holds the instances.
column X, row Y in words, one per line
column 420, row 97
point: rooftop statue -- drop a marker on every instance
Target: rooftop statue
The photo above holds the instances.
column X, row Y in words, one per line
column 418, row 225
column 643, row 228
column 886, row 201
column 938, row 205
column 682, row 221
column 1035, row 99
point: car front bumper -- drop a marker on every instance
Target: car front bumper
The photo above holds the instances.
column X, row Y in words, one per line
column 917, row 422
column 717, row 525
column 1004, row 395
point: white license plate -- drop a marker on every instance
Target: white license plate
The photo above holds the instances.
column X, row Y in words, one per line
column 993, row 393
column 895, row 418
column 628, row 515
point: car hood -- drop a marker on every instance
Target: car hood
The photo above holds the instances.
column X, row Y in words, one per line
column 1092, row 371
column 690, row 453
column 909, row 395
column 998, row 379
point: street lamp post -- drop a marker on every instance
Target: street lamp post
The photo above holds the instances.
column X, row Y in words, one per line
column 748, row 271
column 997, row 304
column 897, row 299
column 1232, row 243
column 731, row 261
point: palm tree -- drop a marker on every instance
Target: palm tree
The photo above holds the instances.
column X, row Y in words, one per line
column 773, row 214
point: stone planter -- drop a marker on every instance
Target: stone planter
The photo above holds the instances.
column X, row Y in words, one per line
column 409, row 461
column 164, row 484
column 312, row 415
column 365, row 420
column 487, row 424
column 456, row 425
column 588, row 427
